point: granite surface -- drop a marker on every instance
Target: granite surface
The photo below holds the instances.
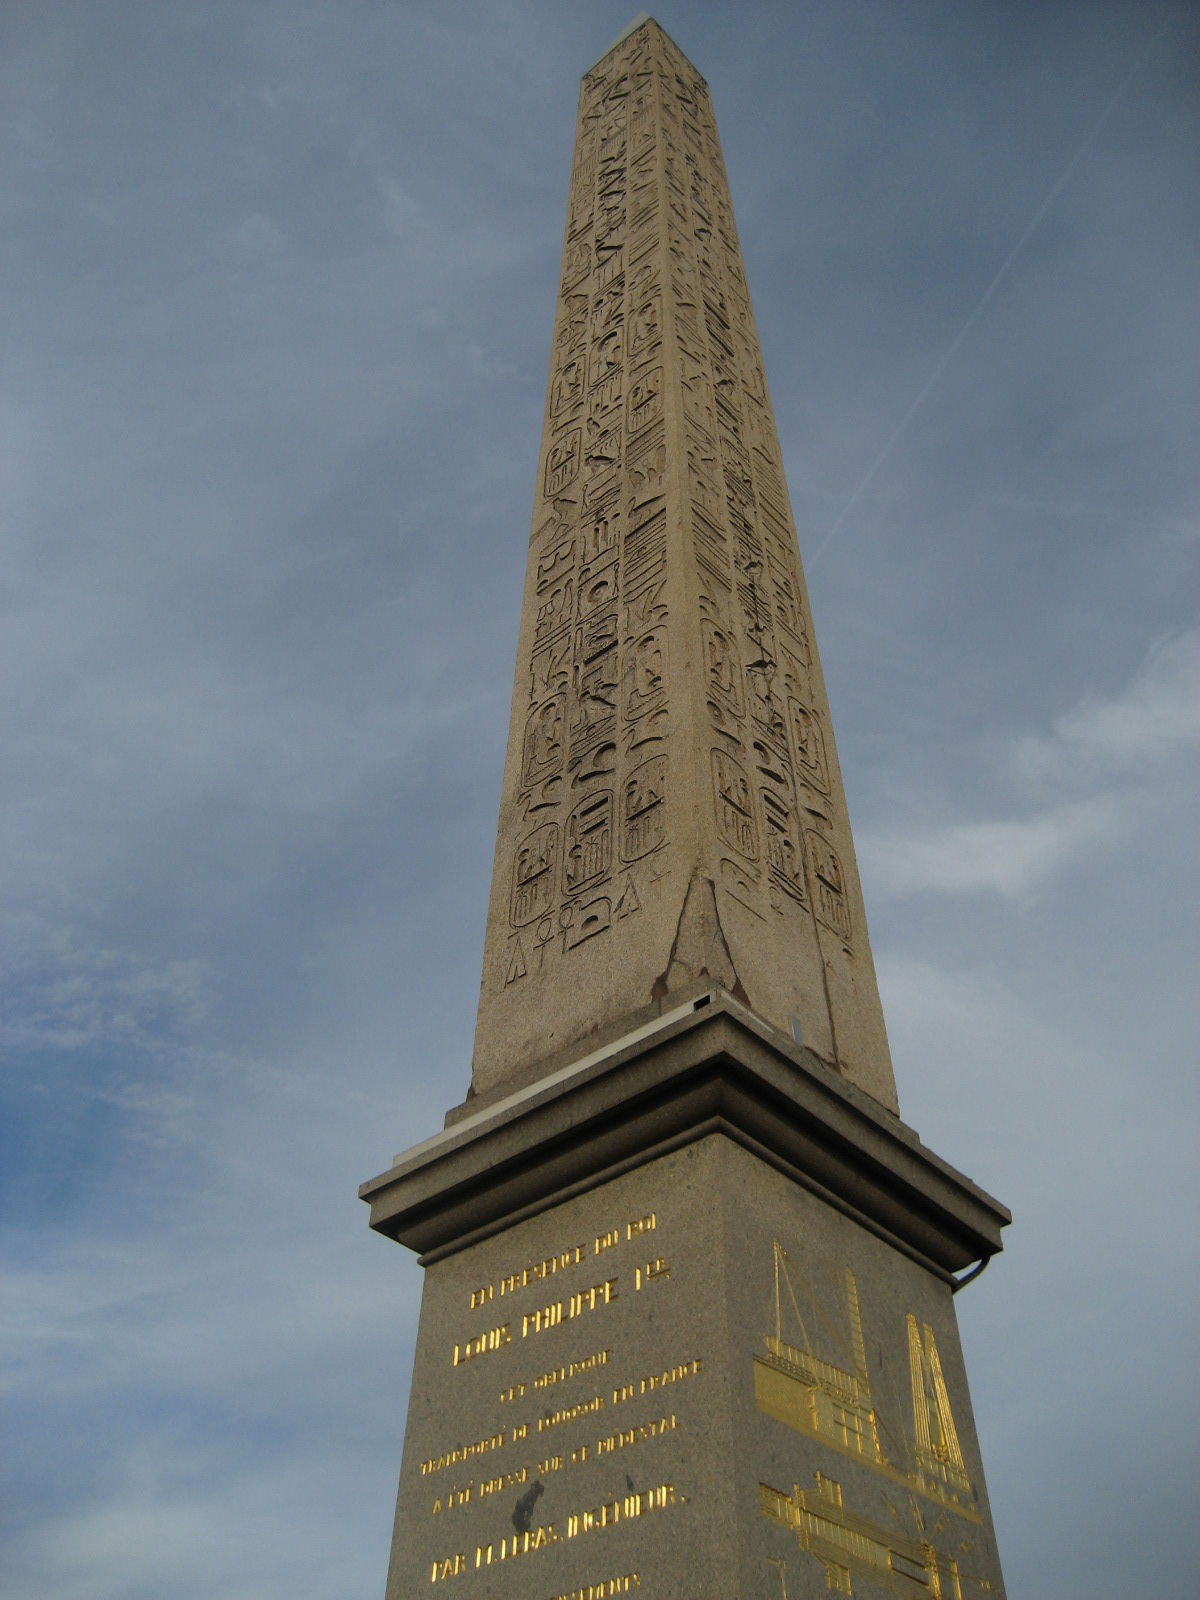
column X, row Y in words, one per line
column 672, row 813
column 696, row 1382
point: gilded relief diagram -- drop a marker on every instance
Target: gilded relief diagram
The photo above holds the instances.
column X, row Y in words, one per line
column 828, row 1397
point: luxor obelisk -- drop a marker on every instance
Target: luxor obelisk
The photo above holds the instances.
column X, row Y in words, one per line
column 687, row 1327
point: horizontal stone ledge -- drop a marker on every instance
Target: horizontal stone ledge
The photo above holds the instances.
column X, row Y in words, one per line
column 710, row 1068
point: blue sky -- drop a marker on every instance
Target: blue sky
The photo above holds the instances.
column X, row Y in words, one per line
column 280, row 281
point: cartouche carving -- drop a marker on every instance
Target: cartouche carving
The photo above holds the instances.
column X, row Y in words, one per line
column 734, row 804
column 534, row 875
column 643, row 810
column 829, row 887
column 587, row 856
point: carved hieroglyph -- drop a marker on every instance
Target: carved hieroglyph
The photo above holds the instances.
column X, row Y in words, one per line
column 672, row 817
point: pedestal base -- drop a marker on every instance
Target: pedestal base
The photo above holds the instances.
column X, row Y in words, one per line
column 688, row 1333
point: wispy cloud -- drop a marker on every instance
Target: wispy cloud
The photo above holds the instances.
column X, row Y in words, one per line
column 1156, row 714
column 65, row 997
column 1013, row 858
column 1096, row 747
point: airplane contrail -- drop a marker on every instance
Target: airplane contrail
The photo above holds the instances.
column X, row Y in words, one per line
column 951, row 349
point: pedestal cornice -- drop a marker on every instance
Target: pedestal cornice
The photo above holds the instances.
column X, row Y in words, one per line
column 704, row 1068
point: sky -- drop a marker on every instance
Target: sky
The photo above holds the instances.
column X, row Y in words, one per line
column 279, row 279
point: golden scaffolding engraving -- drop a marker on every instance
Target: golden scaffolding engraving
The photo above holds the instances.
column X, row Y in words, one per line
column 848, row 1545
column 833, row 1403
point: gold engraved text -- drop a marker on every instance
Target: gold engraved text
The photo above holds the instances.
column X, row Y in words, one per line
column 652, row 1270
column 625, row 1584
column 627, row 1436
column 571, row 1370
column 509, row 1480
column 623, row 1510
column 573, row 1256
column 520, row 1544
column 449, row 1567
column 456, row 1497
column 549, row 1316
column 482, row 1344
column 462, row 1452
column 657, row 1380
column 585, row 1408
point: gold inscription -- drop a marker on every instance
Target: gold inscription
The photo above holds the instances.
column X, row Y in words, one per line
column 657, row 1380
column 614, row 1511
column 534, row 1272
column 520, row 1544
column 456, row 1497
column 573, row 1256
column 449, row 1567
column 539, row 1321
column 628, row 1436
column 648, row 1384
column 549, row 1316
column 585, row 1408
column 652, row 1269
column 625, row 1584
column 462, row 1452
column 508, row 1480
column 571, row 1370
column 482, row 1344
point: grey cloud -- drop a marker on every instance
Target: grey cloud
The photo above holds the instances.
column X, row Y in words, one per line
column 285, row 276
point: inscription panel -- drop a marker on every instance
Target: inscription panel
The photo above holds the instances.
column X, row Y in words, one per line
column 702, row 1302
column 567, row 1385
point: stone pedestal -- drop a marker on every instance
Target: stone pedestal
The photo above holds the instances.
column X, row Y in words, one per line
column 688, row 1333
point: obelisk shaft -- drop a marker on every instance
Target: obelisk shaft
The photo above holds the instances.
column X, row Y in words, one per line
column 672, row 815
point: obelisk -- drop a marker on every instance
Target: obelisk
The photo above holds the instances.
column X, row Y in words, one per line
column 687, row 1327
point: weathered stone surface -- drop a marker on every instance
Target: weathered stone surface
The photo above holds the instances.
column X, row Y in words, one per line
column 672, row 813
column 699, row 1382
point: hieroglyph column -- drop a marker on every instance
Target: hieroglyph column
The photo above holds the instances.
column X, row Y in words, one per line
column 672, row 815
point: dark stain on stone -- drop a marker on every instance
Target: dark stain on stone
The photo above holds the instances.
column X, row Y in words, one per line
column 523, row 1510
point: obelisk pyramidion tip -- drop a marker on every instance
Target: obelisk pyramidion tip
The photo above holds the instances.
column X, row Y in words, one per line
column 642, row 16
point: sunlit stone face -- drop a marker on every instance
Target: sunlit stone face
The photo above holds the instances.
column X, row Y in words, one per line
column 672, row 817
